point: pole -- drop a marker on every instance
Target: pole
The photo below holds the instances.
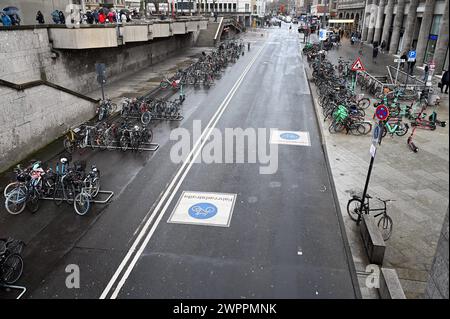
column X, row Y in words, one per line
column 103, row 91
column 398, row 67
column 365, row 188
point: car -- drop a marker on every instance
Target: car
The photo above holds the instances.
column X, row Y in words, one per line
column 295, row 21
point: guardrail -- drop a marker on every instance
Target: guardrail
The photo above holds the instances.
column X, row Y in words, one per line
column 27, row 85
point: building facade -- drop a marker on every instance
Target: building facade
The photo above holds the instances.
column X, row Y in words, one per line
column 421, row 25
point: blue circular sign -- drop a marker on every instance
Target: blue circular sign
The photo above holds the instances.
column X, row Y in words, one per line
column 202, row 210
column 290, row 136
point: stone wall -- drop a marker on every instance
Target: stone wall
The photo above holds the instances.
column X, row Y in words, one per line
column 26, row 55
column 32, row 118
column 437, row 287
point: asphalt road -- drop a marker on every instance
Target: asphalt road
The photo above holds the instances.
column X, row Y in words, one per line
column 282, row 239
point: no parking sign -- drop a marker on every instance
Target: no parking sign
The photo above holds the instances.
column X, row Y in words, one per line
column 382, row 112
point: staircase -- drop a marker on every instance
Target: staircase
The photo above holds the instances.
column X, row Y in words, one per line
column 206, row 37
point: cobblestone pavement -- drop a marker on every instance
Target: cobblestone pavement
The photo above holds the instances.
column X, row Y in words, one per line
column 419, row 182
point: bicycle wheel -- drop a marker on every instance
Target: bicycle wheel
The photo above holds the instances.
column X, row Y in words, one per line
column 385, row 225
column 16, row 201
column 354, row 208
column 10, row 187
column 69, row 193
column 164, row 84
column 364, row 103
column 58, row 194
column 402, row 129
column 82, row 203
column 123, row 143
column 146, row 117
column 95, row 186
column 33, row 202
column 68, row 145
column 11, row 269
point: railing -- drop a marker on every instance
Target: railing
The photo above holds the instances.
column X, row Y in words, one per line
column 31, row 84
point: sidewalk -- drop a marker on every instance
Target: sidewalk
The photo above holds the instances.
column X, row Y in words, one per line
column 417, row 181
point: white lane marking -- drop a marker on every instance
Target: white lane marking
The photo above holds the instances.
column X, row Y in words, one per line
column 208, row 131
column 174, row 191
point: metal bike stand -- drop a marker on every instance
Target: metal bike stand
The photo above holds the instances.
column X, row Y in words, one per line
column 152, row 147
column 180, row 118
column 96, row 201
column 15, row 287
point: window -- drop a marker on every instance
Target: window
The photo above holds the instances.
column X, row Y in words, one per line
column 436, row 24
column 247, row 7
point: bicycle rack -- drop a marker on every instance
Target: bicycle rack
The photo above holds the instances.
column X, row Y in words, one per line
column 180, row 118
column 15, row 287
column 152, row 147
column 96, row 201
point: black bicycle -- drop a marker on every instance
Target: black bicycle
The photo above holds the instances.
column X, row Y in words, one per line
column 11, row 262
column 355, row 208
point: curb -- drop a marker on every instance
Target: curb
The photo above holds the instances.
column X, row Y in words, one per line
column 348, row 252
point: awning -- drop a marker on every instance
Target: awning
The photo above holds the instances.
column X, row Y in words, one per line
column 341, row 21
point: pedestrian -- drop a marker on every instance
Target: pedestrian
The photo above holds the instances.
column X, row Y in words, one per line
column 375, row 54
column 361, row 48
column 101, row 17
column 383, row 46
column 40, row 17
column 89, row 17
column 55, row 16
column 426, row 69
column 403, row 57
column 111, row 16
column 444, row 82
column 215, row 16
column 95, row 14
column 62, row 18
column 6, row 20
column 411, row 67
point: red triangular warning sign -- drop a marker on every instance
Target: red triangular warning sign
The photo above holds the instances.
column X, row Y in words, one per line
column 357, row 65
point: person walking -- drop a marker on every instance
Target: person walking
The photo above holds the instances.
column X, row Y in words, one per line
column 411, row 67
column 62, row 18
column 40, row 17
column 444, row 82
column 383, row 46
column 426, row 70
column 101, row 17
column 403, row 57
column 374, row 54
column 6, row 20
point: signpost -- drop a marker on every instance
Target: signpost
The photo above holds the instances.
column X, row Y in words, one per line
column 100, row 69
column 431, row 67
column 381, row 113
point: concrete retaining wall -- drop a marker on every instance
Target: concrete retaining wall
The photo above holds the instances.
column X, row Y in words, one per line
column 26, row 55
column 32, row 118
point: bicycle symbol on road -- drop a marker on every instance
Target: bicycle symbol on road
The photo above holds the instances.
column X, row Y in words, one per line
column 290, row 136
column 202, row 210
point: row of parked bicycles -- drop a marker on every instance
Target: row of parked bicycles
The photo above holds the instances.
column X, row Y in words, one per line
column 109, row 136
column 69, row 183
column 339, row 103
column 146, row 109
column 208, row 68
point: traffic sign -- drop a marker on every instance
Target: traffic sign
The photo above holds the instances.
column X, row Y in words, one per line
column 357, row 65
column 322, row 35
column 411, row 56
column 376, row 134
column 382, row 112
